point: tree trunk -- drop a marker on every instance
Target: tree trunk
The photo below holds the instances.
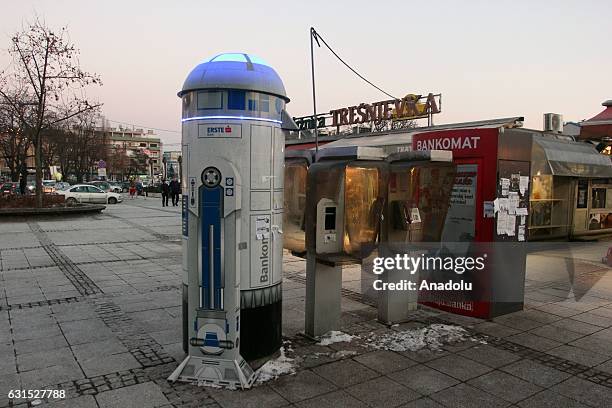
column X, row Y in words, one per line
column 39, row 175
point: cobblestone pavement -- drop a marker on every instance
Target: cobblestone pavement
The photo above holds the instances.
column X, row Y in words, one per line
column 91, row 306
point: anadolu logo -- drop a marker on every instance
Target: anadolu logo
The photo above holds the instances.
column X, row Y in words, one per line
column 213, row 130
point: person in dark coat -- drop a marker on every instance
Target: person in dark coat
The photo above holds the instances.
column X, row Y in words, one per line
column 165, row 190
column 175, row 190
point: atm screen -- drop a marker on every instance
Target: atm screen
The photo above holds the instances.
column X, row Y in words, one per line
column 330, row 218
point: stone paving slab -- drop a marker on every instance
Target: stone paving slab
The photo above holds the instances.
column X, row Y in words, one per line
column 116, row 345
column 138, row 396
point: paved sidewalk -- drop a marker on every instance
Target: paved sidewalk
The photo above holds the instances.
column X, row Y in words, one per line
column 91, row 305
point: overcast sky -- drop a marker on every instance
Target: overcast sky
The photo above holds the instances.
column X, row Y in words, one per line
column 489, row 59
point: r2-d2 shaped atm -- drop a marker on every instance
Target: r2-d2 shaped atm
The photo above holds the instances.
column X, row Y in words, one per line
column 233, row 143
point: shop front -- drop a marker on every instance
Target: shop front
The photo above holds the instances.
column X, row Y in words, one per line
column 569, row 196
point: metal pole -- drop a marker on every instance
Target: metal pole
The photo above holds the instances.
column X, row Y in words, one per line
column 314, row 96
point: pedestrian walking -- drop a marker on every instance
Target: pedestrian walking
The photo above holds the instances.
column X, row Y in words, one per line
column 165, row 191
column 132, row 189
column 175, row 190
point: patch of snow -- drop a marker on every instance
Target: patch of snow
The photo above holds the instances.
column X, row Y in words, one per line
column 335, row 336
column 432, row 337
column 273, row 369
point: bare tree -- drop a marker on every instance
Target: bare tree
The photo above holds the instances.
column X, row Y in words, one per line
column 118, row 162
column 46, row 67
column 14, row 143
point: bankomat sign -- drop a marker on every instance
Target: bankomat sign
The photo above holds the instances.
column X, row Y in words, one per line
column 449, row 143
column 265, row 260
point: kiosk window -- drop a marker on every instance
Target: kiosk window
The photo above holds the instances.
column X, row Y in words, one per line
column 599, row 198
column 330, row 218
column 210, row 100
column 236, row 100
column 583, row 193
column 264, row 103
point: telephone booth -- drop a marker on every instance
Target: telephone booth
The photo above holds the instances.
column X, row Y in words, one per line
column 345, row 196
column 297, row 163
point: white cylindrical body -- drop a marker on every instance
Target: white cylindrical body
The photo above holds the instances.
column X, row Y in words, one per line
column 232, row 112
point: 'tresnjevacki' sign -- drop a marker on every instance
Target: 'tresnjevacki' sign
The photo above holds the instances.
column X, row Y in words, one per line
column 409, row 107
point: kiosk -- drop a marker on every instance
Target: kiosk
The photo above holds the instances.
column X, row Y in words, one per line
column 233, row 143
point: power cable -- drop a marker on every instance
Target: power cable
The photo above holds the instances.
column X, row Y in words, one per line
column 317, row 37
column 142, row 126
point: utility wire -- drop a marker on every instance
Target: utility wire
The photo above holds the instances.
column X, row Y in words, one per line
column 317, row 37
column 142, row 126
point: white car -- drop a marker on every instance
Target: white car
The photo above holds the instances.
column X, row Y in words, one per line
column 83, row 193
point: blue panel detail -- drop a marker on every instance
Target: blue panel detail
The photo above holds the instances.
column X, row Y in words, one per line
column 211, row 339
column 236, row 99
column 211, row 201
column 185, row 214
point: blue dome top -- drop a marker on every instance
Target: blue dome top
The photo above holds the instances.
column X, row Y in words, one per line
column 235, row 71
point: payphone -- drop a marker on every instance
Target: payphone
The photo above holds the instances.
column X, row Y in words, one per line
column 418, row 198
column 345, row 197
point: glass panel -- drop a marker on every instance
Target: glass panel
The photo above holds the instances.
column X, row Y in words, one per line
column 541, row 188
column 362, row 208
column 419, row 198
column 295, row 206
column 583, row 194
column 460, row 223
column 264, row 103
column 230, row 57
column 256, row 60
column 598, row 198
column 210, row 100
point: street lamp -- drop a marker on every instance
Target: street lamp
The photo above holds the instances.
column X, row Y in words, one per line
column 164, row 161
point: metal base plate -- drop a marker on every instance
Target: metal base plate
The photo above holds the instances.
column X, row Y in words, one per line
column 231, row 374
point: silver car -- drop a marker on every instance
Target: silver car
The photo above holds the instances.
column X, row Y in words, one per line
column 84, row 193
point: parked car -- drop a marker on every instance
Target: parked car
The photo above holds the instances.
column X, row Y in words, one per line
column 62, row 185
column 49, row 186
column 106, row 186
column 86, row 193
column 117, row 188
column 9, row 188
column 125, row 186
